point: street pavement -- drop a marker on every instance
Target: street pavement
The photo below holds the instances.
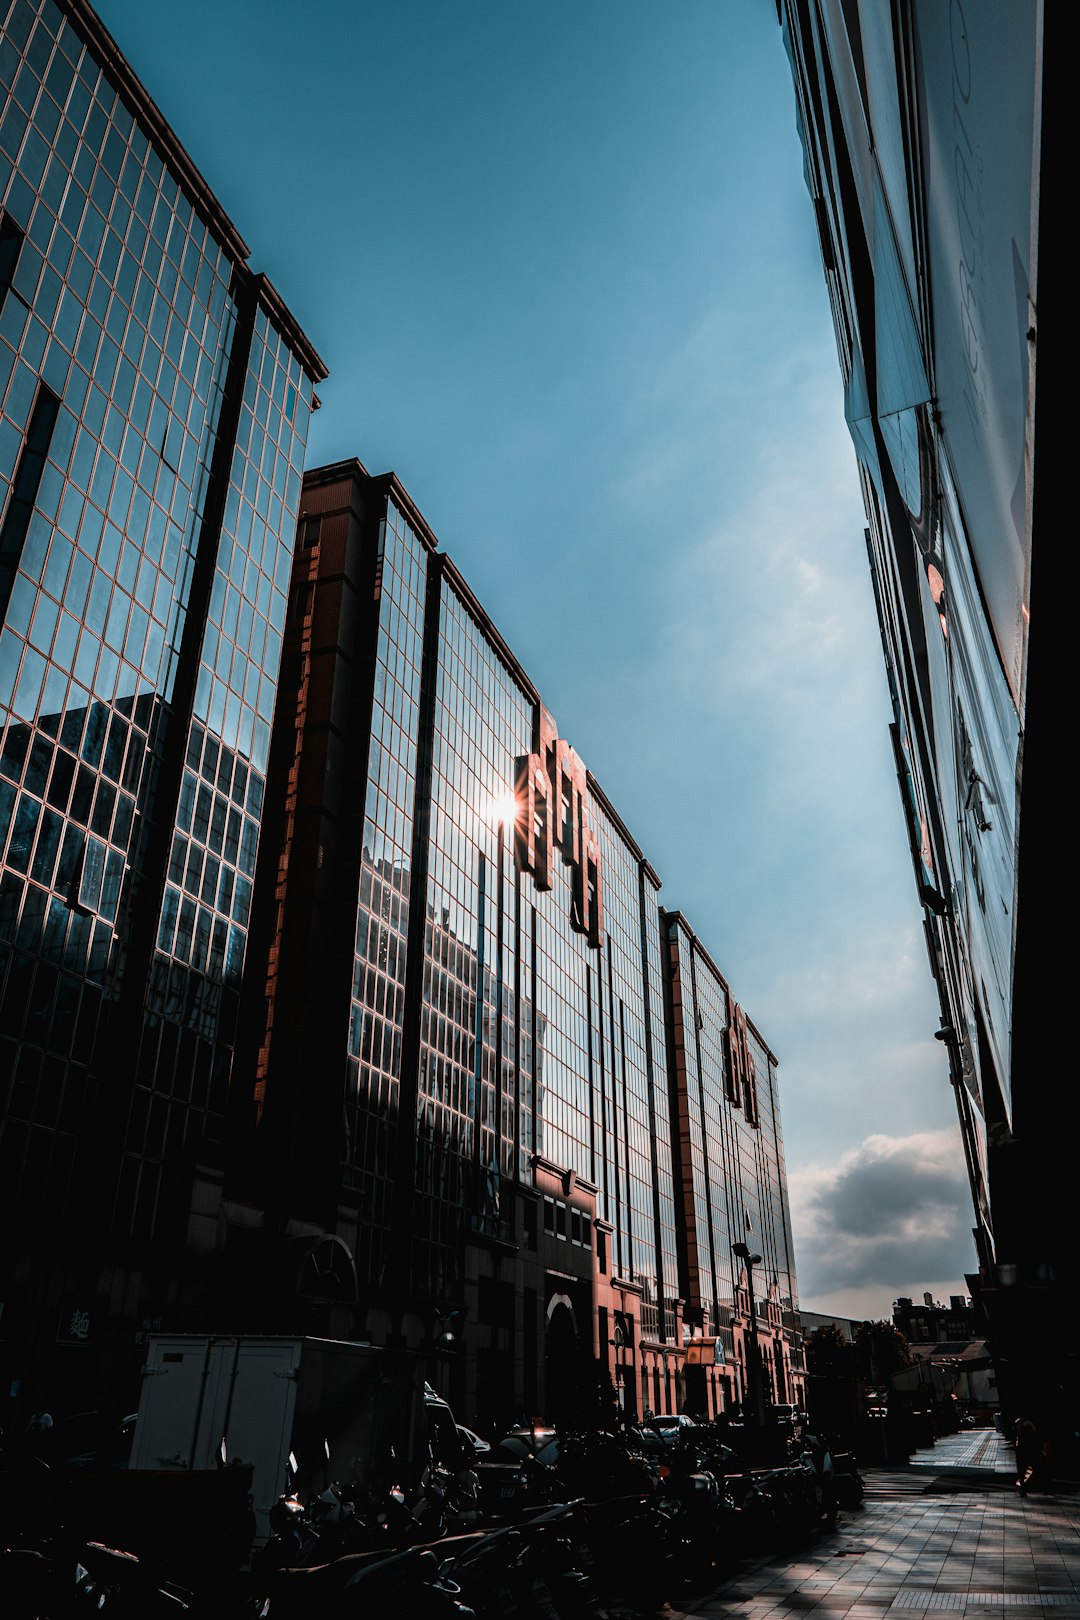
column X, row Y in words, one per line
column 949, row 1533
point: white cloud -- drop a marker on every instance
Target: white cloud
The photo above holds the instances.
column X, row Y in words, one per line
column 888, row 1218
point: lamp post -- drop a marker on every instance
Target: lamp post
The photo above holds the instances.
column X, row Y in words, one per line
column 753, row 1365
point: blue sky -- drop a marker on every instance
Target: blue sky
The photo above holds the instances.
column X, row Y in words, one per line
column 560, row 260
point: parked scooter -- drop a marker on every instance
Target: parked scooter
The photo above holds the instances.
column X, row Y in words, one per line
column 447, row 1502
column 632, row 1547
column 794, row 1497
column 701, row 1512
column 817, row 1457
column 89, row 1580
column 409, row 1585
column 850, row 1487
column 119, row 1586
column 294, row 1541
column 535, row 1570
column 596, row 1465
column 29, row 1586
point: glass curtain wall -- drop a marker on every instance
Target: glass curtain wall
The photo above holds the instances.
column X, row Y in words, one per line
column 730, row 1150
column 128, row 327
column 529, row 1039
column 474, row 1115
column 383, row 916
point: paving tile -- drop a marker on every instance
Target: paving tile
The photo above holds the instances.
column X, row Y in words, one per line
column 945, row 1537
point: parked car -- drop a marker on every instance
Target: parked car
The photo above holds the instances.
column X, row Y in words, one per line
column 672, row 1422
column 470, row 1439
column 508, row 1483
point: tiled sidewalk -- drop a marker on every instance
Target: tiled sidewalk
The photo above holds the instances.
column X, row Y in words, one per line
column 971, row 1448
column 948, row 1533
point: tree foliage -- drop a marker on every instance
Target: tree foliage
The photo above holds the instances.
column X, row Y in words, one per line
column 829, row 1354
column 880, row 1350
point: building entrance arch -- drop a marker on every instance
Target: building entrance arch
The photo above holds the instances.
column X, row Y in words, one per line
column 565, row 1362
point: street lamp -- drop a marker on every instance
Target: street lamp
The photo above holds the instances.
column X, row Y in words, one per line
column 753, row 1367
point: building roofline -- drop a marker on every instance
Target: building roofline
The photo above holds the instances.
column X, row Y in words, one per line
column 289, row 327
column 335, row 471
column 391, row 484
column 492, row 634
column 680, row 918
column 139, row 101
column 116, row 64
column 609, row 810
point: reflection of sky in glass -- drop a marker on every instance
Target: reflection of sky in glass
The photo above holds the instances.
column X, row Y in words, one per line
column 242, row 645
column 378, row 988
column 117, row 331
column 734, row 1186
column 532, row 1042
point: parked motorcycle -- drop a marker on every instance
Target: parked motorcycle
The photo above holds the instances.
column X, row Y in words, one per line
column 632, row 1547
column 702, row 1514
column 28, row 1584
column 599, row 1464
column 410, row 1585
column 850, row 1487
column 90, row 1579
column 447, row 1501
column 294, row 1541
column 817, row 1458
column 535, row 1570
column 119, row 1586
column 793, row 1495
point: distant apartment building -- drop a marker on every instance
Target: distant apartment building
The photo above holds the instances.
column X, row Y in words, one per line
column 949, row 1351
column 155, row 399
column 928, row 132
column 930, row 1322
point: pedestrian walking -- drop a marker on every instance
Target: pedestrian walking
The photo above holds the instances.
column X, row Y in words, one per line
column 1028, row 1453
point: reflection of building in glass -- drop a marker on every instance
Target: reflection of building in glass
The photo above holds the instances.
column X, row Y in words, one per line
column 465, row 1077
column 731, row 1187
column 155, row 399
column 332, row 986
column 926, row 132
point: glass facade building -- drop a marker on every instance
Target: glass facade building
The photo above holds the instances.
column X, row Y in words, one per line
column 732, row 1190
column 465, row 967
column 335, row 996
column 927, row 131
column 154, row 403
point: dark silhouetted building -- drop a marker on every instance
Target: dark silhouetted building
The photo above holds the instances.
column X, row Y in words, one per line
column 929, row 1321
column 928, row 136
column 155, row 401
